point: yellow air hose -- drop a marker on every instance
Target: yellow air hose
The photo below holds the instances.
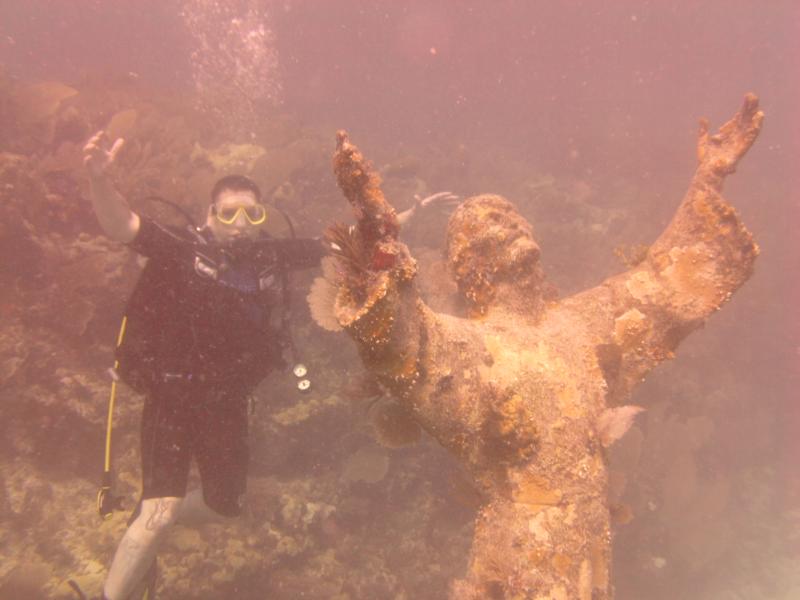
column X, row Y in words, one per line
column 105, row 501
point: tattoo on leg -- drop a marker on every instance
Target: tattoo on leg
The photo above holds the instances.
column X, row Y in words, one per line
column 157, row 517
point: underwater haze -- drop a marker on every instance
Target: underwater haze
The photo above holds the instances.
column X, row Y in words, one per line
column 584, row 114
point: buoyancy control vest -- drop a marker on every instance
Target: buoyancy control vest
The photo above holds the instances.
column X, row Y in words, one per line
column 213, row 312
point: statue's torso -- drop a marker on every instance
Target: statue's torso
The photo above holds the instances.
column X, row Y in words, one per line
column 522, row 394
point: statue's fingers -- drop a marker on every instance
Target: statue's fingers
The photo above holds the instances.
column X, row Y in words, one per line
column 349, row 156
column 702, row 130
column 750, row 108
column 343, row 144
column 745, row 124
column 750, row 133
column 702, row 140
column 723, row 149
column 743, row 129
column 758, row 121
column 752, row 118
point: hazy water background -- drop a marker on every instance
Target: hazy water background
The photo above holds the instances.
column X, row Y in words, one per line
column 596, row 92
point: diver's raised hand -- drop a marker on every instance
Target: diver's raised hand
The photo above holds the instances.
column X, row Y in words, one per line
column 718, row 153
column 116, row 218
column 447, row 199
column 98, row 156
column 443, row 198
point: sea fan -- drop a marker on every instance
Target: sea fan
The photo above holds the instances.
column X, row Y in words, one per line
column 322, row 296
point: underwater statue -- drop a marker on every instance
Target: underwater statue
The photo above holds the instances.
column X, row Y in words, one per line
column 529, row 390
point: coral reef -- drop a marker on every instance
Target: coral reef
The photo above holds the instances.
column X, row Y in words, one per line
column 520, row 391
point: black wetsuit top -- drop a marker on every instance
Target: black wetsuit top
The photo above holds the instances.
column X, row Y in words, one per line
column 205, row 311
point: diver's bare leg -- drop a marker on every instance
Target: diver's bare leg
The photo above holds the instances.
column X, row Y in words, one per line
column 193, row 511
column 137, row 550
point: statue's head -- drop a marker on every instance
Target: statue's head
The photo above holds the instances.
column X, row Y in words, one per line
column 490, row 247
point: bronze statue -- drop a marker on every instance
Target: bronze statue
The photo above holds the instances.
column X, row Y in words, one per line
column 528, row 391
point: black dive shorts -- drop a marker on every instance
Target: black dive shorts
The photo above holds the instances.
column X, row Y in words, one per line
column 183, row 419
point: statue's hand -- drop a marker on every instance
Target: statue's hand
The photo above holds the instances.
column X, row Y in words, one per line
column 372, row 241
column 718, row 153
column 368, row 253
column 97, row 156
column 361, row 185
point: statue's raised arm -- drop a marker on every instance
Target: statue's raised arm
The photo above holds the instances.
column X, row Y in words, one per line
column 375, row 275
column 703, row 256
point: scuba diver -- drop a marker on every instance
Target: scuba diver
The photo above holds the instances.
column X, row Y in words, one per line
column 204, row 325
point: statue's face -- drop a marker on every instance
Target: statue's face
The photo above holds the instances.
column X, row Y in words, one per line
column 489, row 243
column 517, row 249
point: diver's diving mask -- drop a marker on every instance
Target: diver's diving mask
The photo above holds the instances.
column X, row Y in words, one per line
column 256, row 214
